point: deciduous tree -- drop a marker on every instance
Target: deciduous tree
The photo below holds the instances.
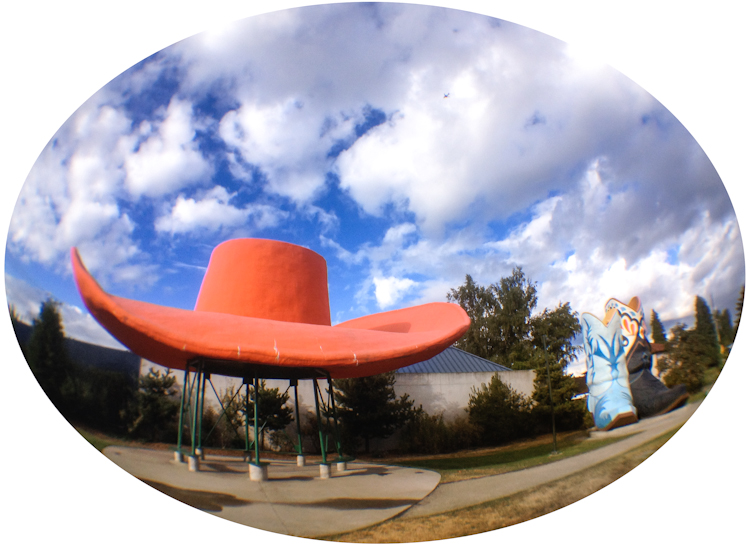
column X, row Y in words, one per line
column 273, row 413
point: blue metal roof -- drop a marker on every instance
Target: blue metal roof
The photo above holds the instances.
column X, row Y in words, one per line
column 453, row 360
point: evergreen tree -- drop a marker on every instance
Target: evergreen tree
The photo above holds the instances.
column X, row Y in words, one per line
column 368, row 407
column 706, row 343
column 158, row 406
column 738, row 309
column 684, row 363
column 499, row 413
column 48, row 358
column 657, row 328
column 724, row 329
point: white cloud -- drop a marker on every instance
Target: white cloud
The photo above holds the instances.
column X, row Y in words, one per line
column 168, row 158
column 70, row 198
column 214, row 212
column 390, row 290
column 288, row 140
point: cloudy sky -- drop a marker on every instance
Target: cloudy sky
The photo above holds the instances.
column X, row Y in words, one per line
column 686, row 54
column 408, row 145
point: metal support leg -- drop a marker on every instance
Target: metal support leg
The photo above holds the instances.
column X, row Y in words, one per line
column 258, row 471
column 320, row 423
column 196, row 381
column 300, row 455
column 178, row 454
column 255, row 421
column 325, row 468
column 200, row 414
column 336, row 432
column 247, row 418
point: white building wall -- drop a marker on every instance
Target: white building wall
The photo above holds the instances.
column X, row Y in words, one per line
column 446, row 393
column 221, row 383
column 449, row 393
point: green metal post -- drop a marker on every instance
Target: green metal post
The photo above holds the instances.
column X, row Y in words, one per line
column 296, row 416
column 320, row 424
column 196, row 381
column 255, row 421
column 200, row 418
column 247, row 416
column 182, row 409
column 335, row 419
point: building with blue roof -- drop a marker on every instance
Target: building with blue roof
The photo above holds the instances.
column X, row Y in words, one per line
column 443, row 384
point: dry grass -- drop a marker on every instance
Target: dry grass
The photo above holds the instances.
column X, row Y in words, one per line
column 509, row 510
column 518, row 455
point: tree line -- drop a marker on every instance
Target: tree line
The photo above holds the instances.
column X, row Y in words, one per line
column 145, row 408
column 690, row 352
column 504, row 329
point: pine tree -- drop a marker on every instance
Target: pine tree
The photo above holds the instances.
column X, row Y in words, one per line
column 657, row 328
column 705, row 337
column 725, row 330
column 368, row 407
column 684, row 363
column 48, row 357
column 158, row 406
column 499, row 413
column 738, row 309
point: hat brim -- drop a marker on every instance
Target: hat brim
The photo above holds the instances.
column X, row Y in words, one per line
column 174, row 337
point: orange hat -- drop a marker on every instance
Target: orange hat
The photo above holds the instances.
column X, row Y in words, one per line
column 263, row 308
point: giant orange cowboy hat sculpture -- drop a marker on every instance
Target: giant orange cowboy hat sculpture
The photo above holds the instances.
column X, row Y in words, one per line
column 264, row 303
column 263, row 312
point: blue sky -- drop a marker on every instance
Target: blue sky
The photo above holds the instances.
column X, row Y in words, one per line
column 329, row 127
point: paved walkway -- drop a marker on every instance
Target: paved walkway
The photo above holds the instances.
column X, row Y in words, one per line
column 296, row 501
column 460, row 494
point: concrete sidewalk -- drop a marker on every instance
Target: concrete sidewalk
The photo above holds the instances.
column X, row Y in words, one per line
column 460, row 494
column 296, row 501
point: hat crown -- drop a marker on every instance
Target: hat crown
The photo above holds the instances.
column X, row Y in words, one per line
column 266, row 279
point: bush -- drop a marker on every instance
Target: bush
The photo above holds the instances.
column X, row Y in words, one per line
column 499, row 413
column 158, row 407
column 431, row 434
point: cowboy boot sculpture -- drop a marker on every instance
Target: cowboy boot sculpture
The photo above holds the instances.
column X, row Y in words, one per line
column 609, row 399
column 650, row 396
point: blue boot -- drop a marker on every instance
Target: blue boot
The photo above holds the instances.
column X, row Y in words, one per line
column 609, row 401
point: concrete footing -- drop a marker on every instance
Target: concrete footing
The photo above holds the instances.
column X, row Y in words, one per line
column 200, row 454
column 193, row 463
column 258, row 472
column 325, row 471
column 300, row 460
column 179, row 457
column 341, row 466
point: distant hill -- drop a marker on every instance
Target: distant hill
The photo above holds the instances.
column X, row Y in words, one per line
column 90, row 355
